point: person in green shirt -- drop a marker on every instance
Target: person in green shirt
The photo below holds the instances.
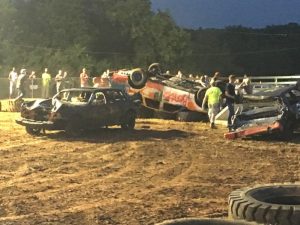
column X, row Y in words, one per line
column 213, row 98
column 46, row 79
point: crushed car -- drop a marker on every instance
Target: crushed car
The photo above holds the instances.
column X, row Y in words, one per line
column 269, row 111
column 75, row 110
column 174, row 97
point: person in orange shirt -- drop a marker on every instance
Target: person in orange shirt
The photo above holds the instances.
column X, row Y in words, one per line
column 84, row 78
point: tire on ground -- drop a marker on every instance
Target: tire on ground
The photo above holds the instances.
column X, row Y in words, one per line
column 199, row 221
column 191, row 116
column 268, row 204
column 137, row 79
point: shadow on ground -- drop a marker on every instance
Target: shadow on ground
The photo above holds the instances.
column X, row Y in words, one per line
column 294, row 138
column 109, row 135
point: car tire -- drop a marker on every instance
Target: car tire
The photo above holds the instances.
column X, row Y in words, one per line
column 199, row 96
column 190, row 116
column 287, row 132
column 268, row 204
column 137, row 79
column 145, row 112
column 199, row 221
column 33, row 131
column 154, row 69
column 128, row 121
column 72, row 130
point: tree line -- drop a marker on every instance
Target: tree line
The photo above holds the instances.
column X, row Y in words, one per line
column 114, row 34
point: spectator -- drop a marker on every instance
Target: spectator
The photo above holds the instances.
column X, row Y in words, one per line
column 246, row 85
column 238, row 87
column 32, row 85
column 216, row 77
column 13, row 76
column 106, row 79
column 230, row 97
column 179, row 74
column 21, row 84
column 177, row 77
column 58, row 79
column 32, row 76
column 46, row 79
column 204, row 81
column 65, row 81
column 84, row 78
column 213, row 97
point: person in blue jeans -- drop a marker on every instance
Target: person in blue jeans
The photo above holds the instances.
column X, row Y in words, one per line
column 230, row 97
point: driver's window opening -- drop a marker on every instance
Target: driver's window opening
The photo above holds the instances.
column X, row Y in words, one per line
column 80, row 96
column 99, row 98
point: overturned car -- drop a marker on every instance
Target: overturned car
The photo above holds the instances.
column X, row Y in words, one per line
column 164, row 95
column 276, row 111
column 78, row 109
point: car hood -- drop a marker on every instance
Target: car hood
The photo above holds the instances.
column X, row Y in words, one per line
column 40, row 103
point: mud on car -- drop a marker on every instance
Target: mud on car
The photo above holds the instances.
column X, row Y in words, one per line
column 75, row 110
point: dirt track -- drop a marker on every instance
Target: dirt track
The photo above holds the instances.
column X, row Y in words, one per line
column 163, row 170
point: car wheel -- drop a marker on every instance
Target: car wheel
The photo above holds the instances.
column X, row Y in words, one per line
column 73, row 130
column 287, row 132
column 199, row 221
column 199, row 96
column 33, row 131
column 137, row 79
column 268, row 204
column 145, row 112
column 154, row 69
column 129, row 121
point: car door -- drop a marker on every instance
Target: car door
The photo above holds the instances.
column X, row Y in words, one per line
column 99, row 110
column 116, row 104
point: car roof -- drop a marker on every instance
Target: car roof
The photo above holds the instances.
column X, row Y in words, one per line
column 91, row 89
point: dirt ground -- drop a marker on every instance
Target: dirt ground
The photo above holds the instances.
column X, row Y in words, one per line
column 162, row 170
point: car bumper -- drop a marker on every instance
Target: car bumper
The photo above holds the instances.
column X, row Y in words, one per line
column 35, row 124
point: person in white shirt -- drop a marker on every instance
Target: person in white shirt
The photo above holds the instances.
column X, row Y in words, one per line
column 13, row 76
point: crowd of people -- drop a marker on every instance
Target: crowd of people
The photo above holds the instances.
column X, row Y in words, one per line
column 17, row 82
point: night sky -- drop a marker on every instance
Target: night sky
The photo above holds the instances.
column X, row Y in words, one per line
column 222, row 13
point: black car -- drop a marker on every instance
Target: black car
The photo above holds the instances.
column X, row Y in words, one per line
column 77, row 109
